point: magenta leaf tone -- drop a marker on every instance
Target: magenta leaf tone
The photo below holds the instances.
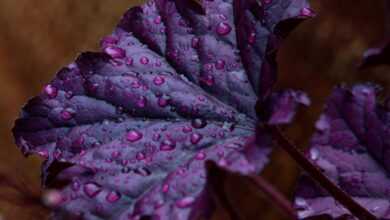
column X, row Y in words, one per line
column 126, row 132
column 351, row 146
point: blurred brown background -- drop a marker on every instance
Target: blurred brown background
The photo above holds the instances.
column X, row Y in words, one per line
column 38, row 37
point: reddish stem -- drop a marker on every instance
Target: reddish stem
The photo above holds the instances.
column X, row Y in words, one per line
column 275, row 196
column 355, row 208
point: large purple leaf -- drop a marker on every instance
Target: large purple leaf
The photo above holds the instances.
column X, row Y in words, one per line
column 352, row 147
column 125, row 132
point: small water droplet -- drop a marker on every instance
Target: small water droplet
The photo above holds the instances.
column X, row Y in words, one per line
column 50, row 91
column 144, row 60
column 195, row 138
column 92, row 189
column 52, row 198
column 195, row 42
column 113, row 197
column 252, row 38
column 306, row 12
column 134, row 136
column 167, row 145
column 129, row 61
column 162, row 102
column 67, row 114
column 141, row 103
column 187, row 129
column 200, row 156
column 157, row 20
column 223, row 28
column 198, row 123
column 158, row 80
column 165, row 188
column 185, row 202
column 115, row 52
column 220, row 64
column 314, row 154
column 140, row 156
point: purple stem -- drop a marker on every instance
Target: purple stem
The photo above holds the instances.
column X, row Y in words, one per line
column 355, row 208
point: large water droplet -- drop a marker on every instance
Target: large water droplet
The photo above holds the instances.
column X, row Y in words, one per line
column 113, row 196
column 195, row 138
column 115, row 52
column 198, row 123
column 185, row 202
column 223, row 28
column 50, row 91
column 92, row 189
column 167, row 145
column 134, row 136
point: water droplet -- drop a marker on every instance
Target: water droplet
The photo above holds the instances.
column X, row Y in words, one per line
column 195, row 42
column 43, row 153
column 115, row 52
column 52, row 198
column 67, row 114
column 158, row 80
column 113, row 196
column 187, row 129
column 144, row 60
column 143, row 171
column 129, row 61
column 314, row 154
column 198, row 123
column 185, row 202
column 50, row 91
column 200, row 156
column 134, row 136
column 195, row 138
column 157, row 20
column 75, row 185
column 92, row 189
column 252, row 38
column 220, row 64
column 223, row 28
column 162, row 102
column 165, row 188
column 167, row 145
column 140, row 156
column 141, row 103
column 208, row 80
column 306, row 12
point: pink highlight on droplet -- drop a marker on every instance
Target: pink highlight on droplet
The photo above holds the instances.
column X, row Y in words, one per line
column 50, row 91
column 134, row 136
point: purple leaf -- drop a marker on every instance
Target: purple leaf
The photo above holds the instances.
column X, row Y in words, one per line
column 376, row 56
column 126, row 132
column 282, row 106
column 351, row 146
